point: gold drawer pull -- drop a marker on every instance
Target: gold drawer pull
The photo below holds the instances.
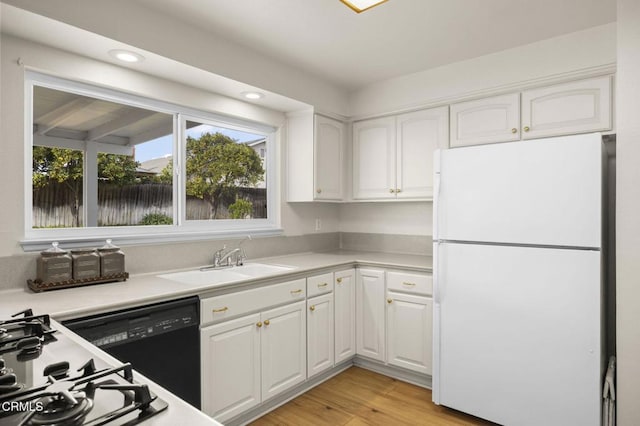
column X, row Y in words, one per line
column 298, row 291
column 408, row 283
column 339, row 280
column 266, row 322
column 312, row 308
column 323, row 285
column 389, row 300
column 215, row 311
column 259, row 324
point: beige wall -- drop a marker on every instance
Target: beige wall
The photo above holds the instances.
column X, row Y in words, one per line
column 580, row 50
column 628, row 213
column 132, row 23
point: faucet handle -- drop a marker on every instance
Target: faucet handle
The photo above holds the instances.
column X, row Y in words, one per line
column 240, row 257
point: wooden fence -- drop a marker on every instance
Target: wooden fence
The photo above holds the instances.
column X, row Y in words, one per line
column 128, row 204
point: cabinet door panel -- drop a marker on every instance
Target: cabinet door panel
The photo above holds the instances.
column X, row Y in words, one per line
column 329, row 137
column 409, row 331
column 319, row 334
column 418, row 135
column 370, row 314
column 231, row 367
column 374, row 174
column 576, row 107
column 495, row 119
column 345, row 315
column 284, row 344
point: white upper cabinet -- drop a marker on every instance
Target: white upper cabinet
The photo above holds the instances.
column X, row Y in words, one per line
column 374, row 158
column 569, row 108
column 418, row 135
column 489, row 120
column 393, row 156
column 329, row 146
column 563, row 109
column 315, row 158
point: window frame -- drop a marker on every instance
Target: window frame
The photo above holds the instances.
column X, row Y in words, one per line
column 181, row 229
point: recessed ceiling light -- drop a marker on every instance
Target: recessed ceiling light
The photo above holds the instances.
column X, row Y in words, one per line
column 126, row 55
column 362, row 5
column 253, row 95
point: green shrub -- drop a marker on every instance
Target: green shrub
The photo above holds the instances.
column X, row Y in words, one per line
column 156, row 219
column 240, row 209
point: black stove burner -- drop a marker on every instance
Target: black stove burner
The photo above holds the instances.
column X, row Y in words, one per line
column 25, row 334
column 58, row 410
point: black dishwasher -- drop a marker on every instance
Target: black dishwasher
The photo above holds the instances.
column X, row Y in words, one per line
column 161, row 341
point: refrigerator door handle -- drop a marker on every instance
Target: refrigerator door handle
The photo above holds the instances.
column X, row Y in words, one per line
column 436, row 192
column 435, row 376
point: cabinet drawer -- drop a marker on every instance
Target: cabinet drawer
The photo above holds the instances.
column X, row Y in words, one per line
column 410, row 283
column 218, row 308
column 320, row 284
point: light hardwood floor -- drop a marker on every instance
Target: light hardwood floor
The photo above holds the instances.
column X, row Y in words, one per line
column 361, row 397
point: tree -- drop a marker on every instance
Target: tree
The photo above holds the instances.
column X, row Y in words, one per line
column 66, row 166
column 217, row 165
column 117, row 169
column 63, row 166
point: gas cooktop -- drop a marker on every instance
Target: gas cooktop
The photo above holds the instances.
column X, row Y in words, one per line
column 48, row 379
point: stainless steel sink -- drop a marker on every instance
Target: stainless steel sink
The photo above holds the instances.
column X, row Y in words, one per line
column 226, row 275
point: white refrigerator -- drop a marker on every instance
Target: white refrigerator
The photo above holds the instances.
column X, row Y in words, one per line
column 518, row 330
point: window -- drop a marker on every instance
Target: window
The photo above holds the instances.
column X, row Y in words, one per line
column 108, row 163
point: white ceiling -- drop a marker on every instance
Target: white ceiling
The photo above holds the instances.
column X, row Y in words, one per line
column 326, row 38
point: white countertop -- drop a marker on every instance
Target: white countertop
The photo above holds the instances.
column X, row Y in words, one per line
column 149, row 288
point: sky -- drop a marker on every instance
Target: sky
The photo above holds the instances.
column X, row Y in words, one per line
column 162, row 147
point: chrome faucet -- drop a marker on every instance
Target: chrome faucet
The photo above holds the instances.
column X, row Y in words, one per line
column 223, row 258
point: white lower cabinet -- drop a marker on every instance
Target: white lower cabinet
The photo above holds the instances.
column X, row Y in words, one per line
column 370, row 314
column 320, row 355
column 345, row 314
column 252, row 352
column 409, row 331
column 283, row 348
column 231, row 367
column 248, row 360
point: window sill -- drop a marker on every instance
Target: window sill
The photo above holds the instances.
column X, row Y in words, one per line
column 158, row 235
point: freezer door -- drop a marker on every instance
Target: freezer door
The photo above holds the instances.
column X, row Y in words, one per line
column 519, row 334
column 541, row 192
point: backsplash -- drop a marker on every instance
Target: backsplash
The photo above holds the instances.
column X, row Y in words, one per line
column 389, row 243
column 15, row 270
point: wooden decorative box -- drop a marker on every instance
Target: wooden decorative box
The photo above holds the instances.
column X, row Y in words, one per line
column 39, row 286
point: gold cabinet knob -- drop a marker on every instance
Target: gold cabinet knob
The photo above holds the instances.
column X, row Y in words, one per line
column 526, row 128
column 389, row 300
column 339, row 280
column 312, row 308
column 266, row 322
column 392, row 190
column 514, row 130
column 259, row 324
column 398, row 190
column 319, row 190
